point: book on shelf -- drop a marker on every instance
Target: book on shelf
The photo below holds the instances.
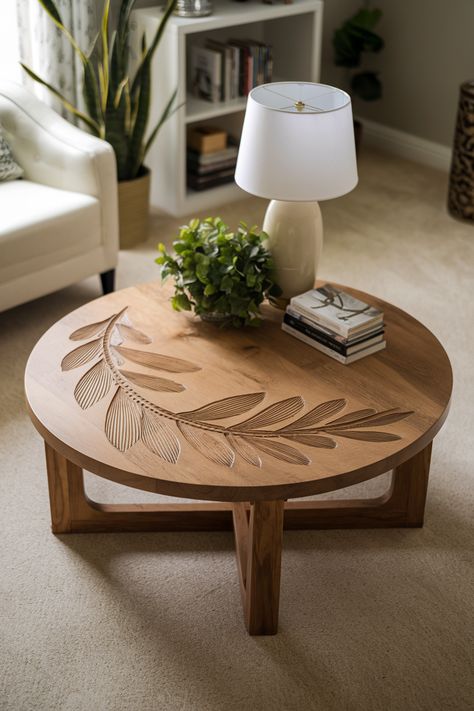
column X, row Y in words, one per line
column 204, row 182
column 222, row 71
column 206, row 76
column 206, row 168
column 337, row 310
column 211, row 168
column 345, row 360
column 205, row 159
column 225, row 52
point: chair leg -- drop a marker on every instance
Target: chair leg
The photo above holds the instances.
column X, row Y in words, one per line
column 108, row 281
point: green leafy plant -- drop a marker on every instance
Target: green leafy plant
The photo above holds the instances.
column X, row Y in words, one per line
column 117, row 104
column 350, row 41
column 217, row 271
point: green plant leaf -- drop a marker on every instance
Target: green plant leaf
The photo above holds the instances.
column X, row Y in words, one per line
column 141, row 103
column 154, row 44
column 367, row 86
column 52, row 10
column 180, row 302
column 169, row 111
column 212, row 266
column 95, row 128
column 104, row 64
column 91, row 94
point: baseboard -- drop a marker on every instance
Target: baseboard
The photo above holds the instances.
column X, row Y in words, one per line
column 406, row 145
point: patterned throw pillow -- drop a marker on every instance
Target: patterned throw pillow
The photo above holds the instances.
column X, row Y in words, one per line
column 9, row 169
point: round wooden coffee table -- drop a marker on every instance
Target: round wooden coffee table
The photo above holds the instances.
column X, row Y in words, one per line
column 132, row 391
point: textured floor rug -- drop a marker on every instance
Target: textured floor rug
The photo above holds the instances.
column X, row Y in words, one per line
column 370, row 620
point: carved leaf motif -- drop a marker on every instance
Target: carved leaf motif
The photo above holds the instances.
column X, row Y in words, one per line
column 123, row 421
column 93, row 385
column 279, row 450
column 152, row 382
column 352, row 417
column 367, row 436
column 133, row 334
column 245, row 450
column 318, row 413
column 313, row 440
column 227, row 407
column 277, row 412
column 160, row 439
column 157, row 361
column 93, row 329
column 376, row 419
column 81, row 355
column 212, row 447
column 117, row 358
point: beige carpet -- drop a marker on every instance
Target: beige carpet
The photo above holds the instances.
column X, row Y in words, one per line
column 370, row 620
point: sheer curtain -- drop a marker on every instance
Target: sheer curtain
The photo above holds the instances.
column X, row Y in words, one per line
column 9, row 49
column 45, row 49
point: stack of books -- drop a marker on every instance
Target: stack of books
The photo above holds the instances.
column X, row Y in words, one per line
column 211, row 157
column 222, row 71
column 335, row 323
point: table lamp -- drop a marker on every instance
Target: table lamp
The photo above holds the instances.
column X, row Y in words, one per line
column 297, row 147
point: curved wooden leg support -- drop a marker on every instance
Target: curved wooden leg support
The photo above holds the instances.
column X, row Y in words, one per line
column 402, row 506
column 258, row 527
column 258, row 546
column 72, row 511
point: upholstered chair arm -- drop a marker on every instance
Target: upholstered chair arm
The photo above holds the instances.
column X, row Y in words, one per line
column 53, row 152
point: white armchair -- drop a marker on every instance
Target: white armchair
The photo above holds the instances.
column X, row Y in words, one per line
column 60, row 223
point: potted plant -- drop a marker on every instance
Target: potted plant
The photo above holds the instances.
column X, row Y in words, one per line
column 117, row 107
column 223, row 276
column 350, row 42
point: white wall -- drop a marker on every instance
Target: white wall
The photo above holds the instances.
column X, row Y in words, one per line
column 429, row 51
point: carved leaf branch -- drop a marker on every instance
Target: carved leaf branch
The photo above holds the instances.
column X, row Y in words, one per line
column 131, row 417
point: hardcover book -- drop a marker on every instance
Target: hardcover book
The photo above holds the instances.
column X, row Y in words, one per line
column 229, row 153
column 206, row 73
column 325, row 340
column 345, row 360
column 360, row 335
column 199, row 169
column 203, row 182
column 225, row 52
column 337, row 310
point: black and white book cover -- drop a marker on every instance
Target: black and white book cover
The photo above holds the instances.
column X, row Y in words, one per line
column 337, row 309
column 206, row 73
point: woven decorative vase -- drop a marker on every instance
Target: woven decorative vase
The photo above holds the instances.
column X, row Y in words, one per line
column 461, row 180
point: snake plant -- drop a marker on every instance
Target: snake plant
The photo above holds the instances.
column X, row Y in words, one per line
column 117, row 104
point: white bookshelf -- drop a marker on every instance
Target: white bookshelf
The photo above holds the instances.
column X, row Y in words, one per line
column 293, row 30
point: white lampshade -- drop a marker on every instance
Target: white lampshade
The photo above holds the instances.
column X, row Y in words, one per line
column 297, row 143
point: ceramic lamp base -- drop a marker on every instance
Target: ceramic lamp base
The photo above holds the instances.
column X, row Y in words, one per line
column 295, row 239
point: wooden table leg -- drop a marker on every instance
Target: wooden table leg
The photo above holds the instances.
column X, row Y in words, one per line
column 401, row 507
column 66, row 490
column 258, row 527
column 258, row 548
column 410, row 486
column 72, row 511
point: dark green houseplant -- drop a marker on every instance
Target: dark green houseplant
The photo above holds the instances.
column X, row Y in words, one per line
column 221, row 275
column 351, row 42
column 117, row 102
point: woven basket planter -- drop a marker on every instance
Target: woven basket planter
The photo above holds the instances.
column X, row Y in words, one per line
column 134, row 201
